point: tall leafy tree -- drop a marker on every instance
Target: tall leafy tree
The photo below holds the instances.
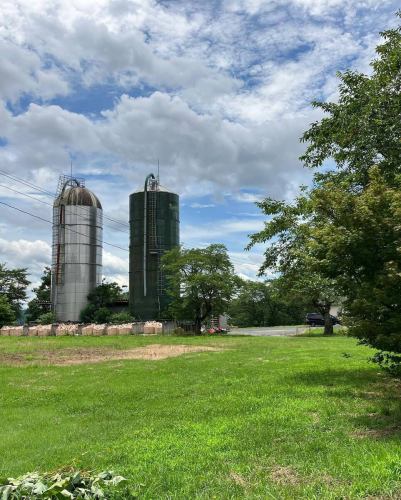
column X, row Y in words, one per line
column 362, row 129
column 13, row 285
column 39, row 305
column 201, row 282
column 361, row 200
column 7, row 314
column 342, row 236
column 296, row 253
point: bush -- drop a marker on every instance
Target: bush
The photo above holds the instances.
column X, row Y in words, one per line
column 102, row 315
column 121, row 318
column 46, row 318
column 60, row 485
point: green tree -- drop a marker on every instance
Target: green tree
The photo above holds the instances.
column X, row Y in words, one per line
column 340, row 238
column 296, row 252
column 13, row 284
column 99, row 301
column 362, row 129
column 7, row 314
column 264, row 304
column 201, row 282
column 39, row 305
column 360, row 199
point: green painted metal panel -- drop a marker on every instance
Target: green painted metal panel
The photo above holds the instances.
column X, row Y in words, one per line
column 162, row 234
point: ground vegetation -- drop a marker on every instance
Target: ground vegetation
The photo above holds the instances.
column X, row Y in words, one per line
column 247, row 418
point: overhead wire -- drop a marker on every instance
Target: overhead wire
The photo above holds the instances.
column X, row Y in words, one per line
column 50, row 205
column 25, row 194
column 66, row 227
column 48, row 193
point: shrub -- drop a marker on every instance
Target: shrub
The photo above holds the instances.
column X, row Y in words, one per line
column 46, row 318
column 102, row 315
column 60, row 485
column 121, row 318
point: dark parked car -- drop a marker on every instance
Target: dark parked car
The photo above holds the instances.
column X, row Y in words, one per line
column 316, row 319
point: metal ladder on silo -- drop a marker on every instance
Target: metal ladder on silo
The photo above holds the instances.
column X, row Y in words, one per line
column 154, row 240
column 152, row 222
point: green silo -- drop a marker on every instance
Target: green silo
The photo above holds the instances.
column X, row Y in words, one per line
column 154, row 229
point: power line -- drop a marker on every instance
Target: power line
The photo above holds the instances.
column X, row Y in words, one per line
column 66, row 227
column 48, row 193
column 50, row 205
column 116, row 221
column 26, row 194
column 29, row 184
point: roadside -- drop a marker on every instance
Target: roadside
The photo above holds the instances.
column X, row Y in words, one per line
column 273, row 331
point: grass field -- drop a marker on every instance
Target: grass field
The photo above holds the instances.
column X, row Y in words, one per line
column 303, row 417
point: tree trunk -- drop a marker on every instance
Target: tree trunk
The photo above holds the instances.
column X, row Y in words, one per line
column 328, row 323
column 198, row 326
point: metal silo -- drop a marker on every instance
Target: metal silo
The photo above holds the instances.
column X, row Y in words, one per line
column 154, row 229
column 77, row 248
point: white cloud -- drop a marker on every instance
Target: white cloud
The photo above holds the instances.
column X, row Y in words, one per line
column 247, row 264
column 34, row 255
column 221, row 99
column 112, row 264
column 22, row 71
column 22, row 253
column 202, row 205
column 204, row 234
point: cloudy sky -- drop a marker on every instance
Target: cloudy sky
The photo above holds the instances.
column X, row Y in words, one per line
column 218, row 91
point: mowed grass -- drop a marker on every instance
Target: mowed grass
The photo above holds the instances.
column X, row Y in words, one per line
column 262, row 418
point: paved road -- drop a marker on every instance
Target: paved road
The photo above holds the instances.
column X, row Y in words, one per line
column 268, row 331
column 272, row 331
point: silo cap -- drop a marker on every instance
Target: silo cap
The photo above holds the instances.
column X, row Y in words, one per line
column 77, row 196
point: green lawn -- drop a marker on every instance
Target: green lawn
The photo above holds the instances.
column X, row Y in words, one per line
column 304, row 417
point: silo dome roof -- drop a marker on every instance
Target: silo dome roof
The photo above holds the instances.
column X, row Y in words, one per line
column 77, row 196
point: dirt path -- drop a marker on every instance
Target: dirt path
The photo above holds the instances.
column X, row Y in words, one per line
column 78, row 356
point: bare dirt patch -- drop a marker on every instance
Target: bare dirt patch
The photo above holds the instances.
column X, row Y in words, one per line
column 285, row 475
column 388, row 431
column 78, row 356
column 238, row 479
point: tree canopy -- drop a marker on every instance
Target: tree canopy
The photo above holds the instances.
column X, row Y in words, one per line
column 13, row 285
column 297, row 253
column 99, row 302
column 343, row 234
column 362, row 129
column 7, row 314
column 201, row 282
column 263, row 304
column 39, row 305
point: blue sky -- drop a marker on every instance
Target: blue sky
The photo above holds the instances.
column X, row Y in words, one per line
column 218, row 91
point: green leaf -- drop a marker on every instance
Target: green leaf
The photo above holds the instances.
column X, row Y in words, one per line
column 5, row 492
